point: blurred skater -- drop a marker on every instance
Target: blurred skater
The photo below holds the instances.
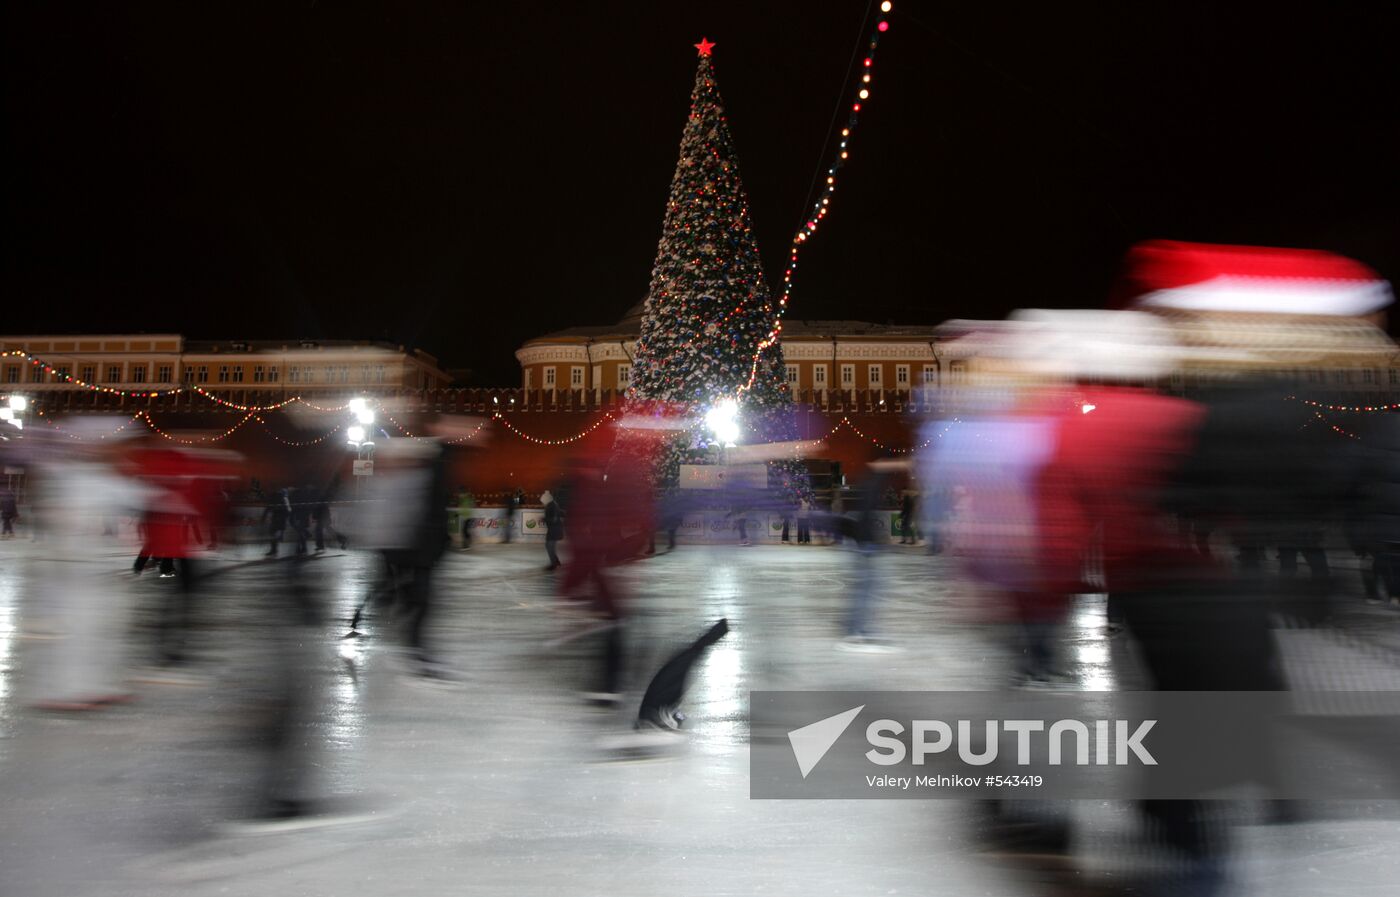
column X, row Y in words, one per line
column 553, row 528
column 83, row 604
column 9, row 512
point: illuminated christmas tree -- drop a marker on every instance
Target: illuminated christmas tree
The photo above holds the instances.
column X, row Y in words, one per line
column 709, row 308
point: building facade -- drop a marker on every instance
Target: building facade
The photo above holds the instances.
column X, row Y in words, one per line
column 165, row 361
column 819, row 357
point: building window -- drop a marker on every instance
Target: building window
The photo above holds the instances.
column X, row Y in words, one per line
column 272, row 373
column 930, row 374
column 36, row 373
column 203, row 373
column 874, row 374
column 379, row 373
column 1394, row 376
column 901, row 376
column 138, row 373
column 294, row 374
column 89, row 373
column 957, row 371
column 1368, row 376
column 792, row 374
column 163, row 373
column 576, row 378
column 819, row 376
column 61, row 372
column 597, row 376
column 114, row 373
column 238, row 374
column 12, row 373
column 345, row 375
column 624, row 376
column 1314, row 376
column 223, row 373
column 259, row 374
column 549, row 378
column 848, row 376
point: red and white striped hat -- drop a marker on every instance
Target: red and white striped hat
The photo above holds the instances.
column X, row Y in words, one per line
column 1168, row 274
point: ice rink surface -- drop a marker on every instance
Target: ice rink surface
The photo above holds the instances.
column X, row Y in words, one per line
column 505, row 782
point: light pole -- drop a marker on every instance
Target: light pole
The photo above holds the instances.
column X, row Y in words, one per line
column 13, row 412
column 360, row 435
column 723, row 421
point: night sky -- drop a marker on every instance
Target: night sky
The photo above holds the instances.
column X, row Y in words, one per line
column 462, row 177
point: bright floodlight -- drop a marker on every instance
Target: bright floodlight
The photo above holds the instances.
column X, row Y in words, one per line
column 357, row 405
column 365, row 416
column 19, row 403
column 355, row 435
column 7, row 414
column 723, row 421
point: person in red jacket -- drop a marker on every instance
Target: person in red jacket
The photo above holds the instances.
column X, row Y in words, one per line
column 170, row 524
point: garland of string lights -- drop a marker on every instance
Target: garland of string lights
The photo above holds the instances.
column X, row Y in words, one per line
column 303, row 443
column 151, row 394
column 199, row 440
column 848, row 424
column 1333, row 427
column 68, row 378
column 823, row 204
column 315, row 407
column 237, row 407
column 461, row 439
column 57, row 429
column 607, row 416
column 1352, row 408
column 146, row 418
column 402, row 429
column 568, row 440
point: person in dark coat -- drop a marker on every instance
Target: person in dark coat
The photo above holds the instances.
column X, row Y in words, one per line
column 1373, row 506
column 303, row 499
column 9, row 511
column 321, row 516
column 908, row 534
column 553, row 528
column 804, row 522
column 865, row 529
column 275, row 515
column 513, row 502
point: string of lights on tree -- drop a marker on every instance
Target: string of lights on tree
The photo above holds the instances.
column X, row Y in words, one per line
column 822, row 206
column 708, row 303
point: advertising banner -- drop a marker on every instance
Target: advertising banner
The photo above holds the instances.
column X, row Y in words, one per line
column 489, row 524
column 722, row 476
